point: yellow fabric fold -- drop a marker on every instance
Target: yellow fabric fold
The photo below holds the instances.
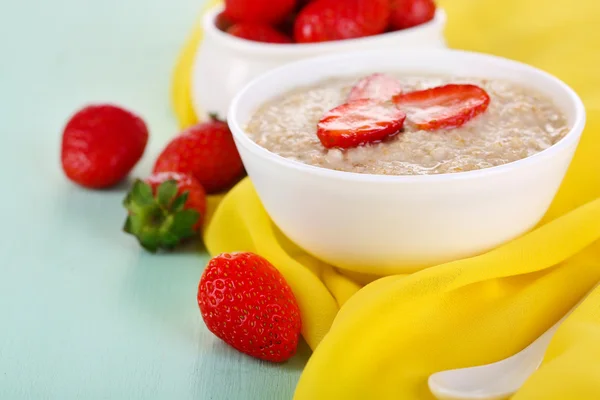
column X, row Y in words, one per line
column 380, row 338
column 240, row 223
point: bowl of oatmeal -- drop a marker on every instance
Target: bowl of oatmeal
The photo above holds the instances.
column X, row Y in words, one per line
column 223, row 63
column 384, row 163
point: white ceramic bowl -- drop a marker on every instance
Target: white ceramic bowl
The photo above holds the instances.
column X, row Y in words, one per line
column 225, row 63
column 389, row 224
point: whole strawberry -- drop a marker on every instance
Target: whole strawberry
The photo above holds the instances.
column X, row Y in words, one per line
column 258, row 33
column 101, row 144
column 327, row 20
column 409, row 13
column 222, row 22
column 247, row 303
column 207, row 152
column 286, row 27
column 302, row 3
column 268, row 12
column 164, row 210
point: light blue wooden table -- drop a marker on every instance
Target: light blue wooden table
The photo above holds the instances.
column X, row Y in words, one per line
column 84, row 313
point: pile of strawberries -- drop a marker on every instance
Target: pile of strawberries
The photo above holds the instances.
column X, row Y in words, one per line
column 243, row 299
column 312, row 21
column 102, row 143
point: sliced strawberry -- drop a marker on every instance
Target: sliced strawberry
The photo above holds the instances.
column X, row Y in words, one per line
column 448, row 106
column 376, row 87
column 359, row 122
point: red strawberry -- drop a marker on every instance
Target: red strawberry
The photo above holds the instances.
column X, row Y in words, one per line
column 164, row 210
column 206, row 151
column 409, row 13
column 286, row 27
column 222, row 22
column 362, row 121
column 302, row 3
column 259, row 11
column 258, row 33
column 101, row 144
column 448, row 106
column 326, row 20
column 376, row 87
column 248, row 304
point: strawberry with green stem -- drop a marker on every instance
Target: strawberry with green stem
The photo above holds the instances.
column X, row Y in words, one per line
column 164, row 210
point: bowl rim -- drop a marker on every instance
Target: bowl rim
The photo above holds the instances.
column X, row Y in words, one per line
column 239, row 134
column 300, row 49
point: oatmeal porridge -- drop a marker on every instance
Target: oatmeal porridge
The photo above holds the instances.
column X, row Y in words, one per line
column 517, row 123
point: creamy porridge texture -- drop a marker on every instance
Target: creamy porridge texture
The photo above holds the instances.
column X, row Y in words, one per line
column 518, row 123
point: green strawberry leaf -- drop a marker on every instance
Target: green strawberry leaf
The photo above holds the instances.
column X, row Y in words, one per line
column 179, row 202
column 150, row 240
column 142, row 193
column 159, row 222
column 166, row 192
column 127, row 226
column 183, row 223
column 135, row 223
column 139, row 197
column 215, row 117
column 170, row 240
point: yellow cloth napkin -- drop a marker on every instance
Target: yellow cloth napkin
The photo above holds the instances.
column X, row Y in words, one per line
column 383, row 340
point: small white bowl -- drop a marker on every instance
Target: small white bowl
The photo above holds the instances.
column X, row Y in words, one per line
column 391, row 224
column 225, row 63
